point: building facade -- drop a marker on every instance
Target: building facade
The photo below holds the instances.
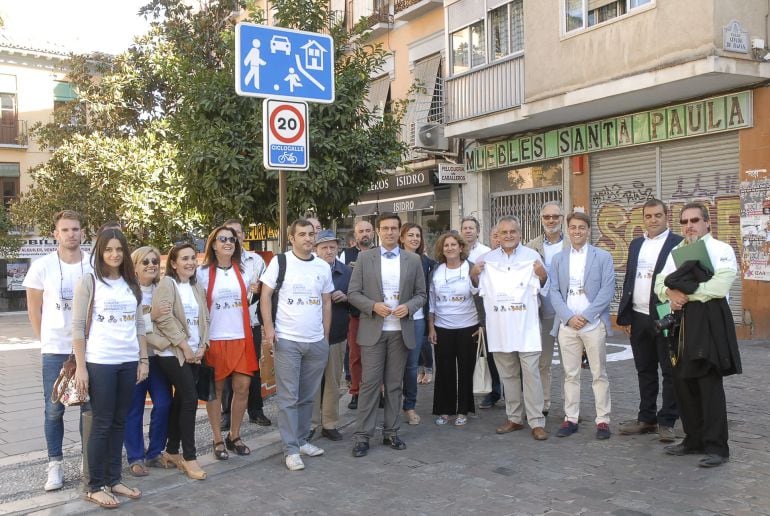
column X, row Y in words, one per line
column 32, row 83
column 603, row 104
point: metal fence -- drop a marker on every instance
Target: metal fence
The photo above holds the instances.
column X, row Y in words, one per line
column 526, row 206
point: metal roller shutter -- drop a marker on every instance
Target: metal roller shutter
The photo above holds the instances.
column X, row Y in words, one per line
column 525, row 205
column 707, row 169
column 621, row 181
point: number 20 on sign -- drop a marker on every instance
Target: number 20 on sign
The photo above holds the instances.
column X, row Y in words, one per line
column 285, row 135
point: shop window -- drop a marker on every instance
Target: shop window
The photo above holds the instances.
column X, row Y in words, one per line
column 581, row 14
column 9, row 123
column 468, row 48
column 506, row 29
column 544, row 175
column 9, row 182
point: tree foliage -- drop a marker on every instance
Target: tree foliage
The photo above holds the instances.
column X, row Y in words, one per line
column 159, row 139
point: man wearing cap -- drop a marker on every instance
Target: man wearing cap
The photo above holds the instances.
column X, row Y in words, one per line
column 326, row 406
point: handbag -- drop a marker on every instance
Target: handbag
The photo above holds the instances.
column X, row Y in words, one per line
column 482, row 380
column 65, row 390
column 205, row 385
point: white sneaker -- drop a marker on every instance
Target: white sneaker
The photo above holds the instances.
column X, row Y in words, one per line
column 311, row 450
column 294, row 462
column 55, row 476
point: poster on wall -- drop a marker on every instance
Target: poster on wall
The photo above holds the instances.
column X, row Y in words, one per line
column 16, row 272
column 755, row 225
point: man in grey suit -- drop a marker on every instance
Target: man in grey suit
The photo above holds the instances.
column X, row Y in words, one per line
column 582, row 287
column 388, row 287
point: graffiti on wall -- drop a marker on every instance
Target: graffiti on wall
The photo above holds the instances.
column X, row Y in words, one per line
column 618, row 218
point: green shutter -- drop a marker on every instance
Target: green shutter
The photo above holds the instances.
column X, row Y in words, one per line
column 9, row 170
column 64, row 91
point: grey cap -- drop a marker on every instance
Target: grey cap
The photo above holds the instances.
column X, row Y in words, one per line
column 326, row 235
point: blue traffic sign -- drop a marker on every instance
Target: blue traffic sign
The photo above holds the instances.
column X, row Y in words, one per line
column 286, row 64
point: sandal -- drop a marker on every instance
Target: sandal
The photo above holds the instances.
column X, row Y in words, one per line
column 220, row 454
column 421, row 377
column 122, row 489
column 137, row 469
column 461, row 420
column 237, row 445
column 169, row 460
column 103, row 498
column 427, row 378
column 442, row 420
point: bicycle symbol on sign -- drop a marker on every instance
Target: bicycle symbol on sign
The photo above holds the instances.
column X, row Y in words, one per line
column 287, row 157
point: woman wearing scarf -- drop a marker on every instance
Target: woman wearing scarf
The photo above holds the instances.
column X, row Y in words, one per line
column 231, row 350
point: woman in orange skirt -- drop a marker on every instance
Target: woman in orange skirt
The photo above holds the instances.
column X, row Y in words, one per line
column 231, row 350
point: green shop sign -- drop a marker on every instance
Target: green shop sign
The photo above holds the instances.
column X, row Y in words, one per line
column 713, row 115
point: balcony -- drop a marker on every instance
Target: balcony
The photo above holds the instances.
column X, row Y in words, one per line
column 407, row 10
column 13, row 133
column 379, row 21
column 495, row 87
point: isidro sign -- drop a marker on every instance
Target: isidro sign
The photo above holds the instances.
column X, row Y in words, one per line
column 713, row 115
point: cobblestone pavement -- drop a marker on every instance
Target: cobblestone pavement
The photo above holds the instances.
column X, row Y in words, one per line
column 456, row 470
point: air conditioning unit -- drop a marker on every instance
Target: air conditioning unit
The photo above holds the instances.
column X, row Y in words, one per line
column 430, row 136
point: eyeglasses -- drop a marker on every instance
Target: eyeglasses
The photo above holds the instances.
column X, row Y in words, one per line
column 226, row 239
column 693, row 220
column 148, row 261
column 551, row 217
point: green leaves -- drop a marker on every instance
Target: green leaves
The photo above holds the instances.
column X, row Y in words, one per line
column 159, row 139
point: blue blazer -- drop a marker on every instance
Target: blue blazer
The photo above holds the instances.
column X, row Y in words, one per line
column 598, row 282
column 626, row 306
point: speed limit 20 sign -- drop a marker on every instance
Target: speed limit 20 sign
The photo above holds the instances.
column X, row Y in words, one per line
column 285, row 135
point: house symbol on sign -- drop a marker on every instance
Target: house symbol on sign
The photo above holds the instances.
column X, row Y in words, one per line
column 314, row 58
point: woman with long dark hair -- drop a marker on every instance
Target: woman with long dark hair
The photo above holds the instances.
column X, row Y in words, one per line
column 411, row 240
column 183, row 339
column 111, row 353
column 231, row 347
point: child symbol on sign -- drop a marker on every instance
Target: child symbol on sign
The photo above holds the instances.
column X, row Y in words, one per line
column 293, row 79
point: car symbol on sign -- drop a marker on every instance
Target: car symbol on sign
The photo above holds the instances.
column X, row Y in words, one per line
column 280, row 44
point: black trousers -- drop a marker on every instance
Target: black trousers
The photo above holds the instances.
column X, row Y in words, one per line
column 181, row 419
column 255, row 388
column 704, row 412
column 650, row 352
column 455, row 359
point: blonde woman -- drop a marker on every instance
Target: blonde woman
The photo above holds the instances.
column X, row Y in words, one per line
column 147, row 266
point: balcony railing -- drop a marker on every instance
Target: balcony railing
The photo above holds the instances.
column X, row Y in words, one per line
column 380, row 14
column 495, row 87
column 406, row 10
column 14, row 133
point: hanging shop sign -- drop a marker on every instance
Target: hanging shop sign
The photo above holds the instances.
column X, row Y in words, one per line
column 712, row 115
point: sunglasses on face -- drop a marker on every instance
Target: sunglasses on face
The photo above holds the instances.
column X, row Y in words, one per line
column 226, row 239
column 551, row 217
column 693, row 220
column 148, row 261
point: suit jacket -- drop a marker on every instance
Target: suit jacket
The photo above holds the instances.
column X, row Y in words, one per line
column 366, row 289
column 171, row 329
column 598, row 283
column 626, row 306
column 537, row 244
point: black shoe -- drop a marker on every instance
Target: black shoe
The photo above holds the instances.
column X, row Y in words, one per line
column 353, row 405
column 394, row 442
column 545, row 413
column 488, row 401
column 225, row 424
column 331, row 433
column 360, row 449
column 310, row 434
column 382, row 401
column 259, row 418
column 679, row 450
column 712, row 460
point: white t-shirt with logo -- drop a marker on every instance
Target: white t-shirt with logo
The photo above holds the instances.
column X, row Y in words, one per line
column 645, row 271
column 226, row 303
column 299, row 315
column 58, row 286
column 112, row 338
column 510, row 302
column 451, row 298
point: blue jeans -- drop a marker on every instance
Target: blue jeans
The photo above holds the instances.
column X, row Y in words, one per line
column 110, row 387
column 299, row 367
column 410, row 372
column 160, row 394
column 426, row 353
column 53, row 425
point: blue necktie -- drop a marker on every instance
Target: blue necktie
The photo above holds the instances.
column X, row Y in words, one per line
column 390, row 254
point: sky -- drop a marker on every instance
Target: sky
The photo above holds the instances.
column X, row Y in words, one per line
column 78, row 25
